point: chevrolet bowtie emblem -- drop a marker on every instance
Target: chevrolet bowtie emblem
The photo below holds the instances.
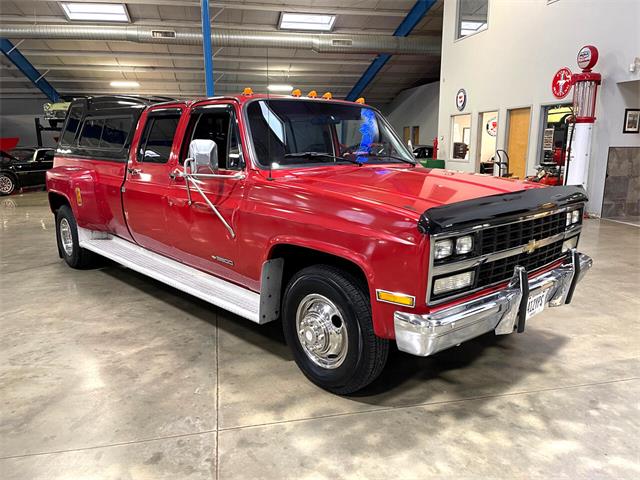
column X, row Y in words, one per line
column 532, row 246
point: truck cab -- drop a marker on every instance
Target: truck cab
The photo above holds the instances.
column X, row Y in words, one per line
column 312, row 212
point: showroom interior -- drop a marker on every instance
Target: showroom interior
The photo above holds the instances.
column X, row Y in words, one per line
column 307, row 239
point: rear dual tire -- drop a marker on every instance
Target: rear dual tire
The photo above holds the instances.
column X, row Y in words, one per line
column 68, row 243
column 327, row 324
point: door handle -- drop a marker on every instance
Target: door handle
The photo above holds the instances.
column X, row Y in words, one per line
column 134, row 171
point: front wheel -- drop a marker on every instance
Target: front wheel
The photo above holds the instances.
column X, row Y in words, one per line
column 327, row 324
column 7, row 184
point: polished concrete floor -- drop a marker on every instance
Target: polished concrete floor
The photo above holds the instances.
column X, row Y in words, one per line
column 105, row 374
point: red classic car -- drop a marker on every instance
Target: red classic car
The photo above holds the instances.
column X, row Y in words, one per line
column 313, row 212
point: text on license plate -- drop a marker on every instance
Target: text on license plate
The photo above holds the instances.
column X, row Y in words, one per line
column 536, row 304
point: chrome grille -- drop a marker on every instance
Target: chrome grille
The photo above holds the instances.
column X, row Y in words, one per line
column 513, row 235
column 502, row 270
column 532, row 242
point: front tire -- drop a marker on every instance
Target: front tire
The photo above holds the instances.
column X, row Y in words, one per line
column 8, row 184
column 67, row 238
column 327, row 324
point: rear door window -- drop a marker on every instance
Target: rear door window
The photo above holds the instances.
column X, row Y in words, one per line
column 157, row 138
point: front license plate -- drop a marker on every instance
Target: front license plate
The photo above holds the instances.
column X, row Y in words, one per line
column 536, row 304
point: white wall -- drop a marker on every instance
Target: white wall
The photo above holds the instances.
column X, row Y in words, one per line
column 511, row 65
column 416, row 107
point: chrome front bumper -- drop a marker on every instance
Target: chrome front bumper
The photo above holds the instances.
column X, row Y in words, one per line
column 503, row 311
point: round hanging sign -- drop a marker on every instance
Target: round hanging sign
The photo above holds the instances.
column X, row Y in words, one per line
column 587, row 57
column 561, row 83
column 461, row 99
column 492, row 126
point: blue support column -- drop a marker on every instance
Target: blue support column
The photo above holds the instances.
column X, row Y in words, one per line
column 412, row 19
column 206, row 48
column 29, row 71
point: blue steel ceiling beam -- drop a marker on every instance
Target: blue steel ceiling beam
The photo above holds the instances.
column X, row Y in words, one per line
column 29, row 71
column 412, row 19
column 206, row 48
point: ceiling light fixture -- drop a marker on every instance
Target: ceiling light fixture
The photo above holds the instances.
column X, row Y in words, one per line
column 124, row 84
column 280, row 88
column 99, row 12
column 306, row 21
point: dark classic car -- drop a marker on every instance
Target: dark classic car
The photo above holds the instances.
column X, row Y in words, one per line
column 24, row 167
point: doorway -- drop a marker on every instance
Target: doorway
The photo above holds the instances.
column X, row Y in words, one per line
column 519, row 121
column 488, row 134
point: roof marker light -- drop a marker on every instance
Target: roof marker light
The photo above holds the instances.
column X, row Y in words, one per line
column 247, row 91
column 327, row 96
column 360, row 100
column 296, row 93
column 312, row 94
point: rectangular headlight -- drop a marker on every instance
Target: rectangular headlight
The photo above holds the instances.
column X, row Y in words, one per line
column 443, row 249
column 453, row 282
column 569, row 244
column 464, row 245
column 575, row 216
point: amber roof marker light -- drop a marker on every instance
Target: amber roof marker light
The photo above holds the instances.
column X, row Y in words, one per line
column 327, row 96
column 296, row 93
column 360, row 100
column 312, row 94
column 248, row 91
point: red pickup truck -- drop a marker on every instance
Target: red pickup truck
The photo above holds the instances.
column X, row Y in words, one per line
column 313, row 212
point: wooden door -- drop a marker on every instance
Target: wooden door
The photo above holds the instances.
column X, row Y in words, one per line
column 518, row 141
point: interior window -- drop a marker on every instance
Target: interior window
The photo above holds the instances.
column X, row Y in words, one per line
column 91, row 132
column 71, row 128
column 217, row 125
column 157, row 138
column 472, row 17
column 115, row 132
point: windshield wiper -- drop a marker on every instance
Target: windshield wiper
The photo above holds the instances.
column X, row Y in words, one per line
column 320, row 154
column 393, row 157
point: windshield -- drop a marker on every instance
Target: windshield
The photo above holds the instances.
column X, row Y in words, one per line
column 293, row 132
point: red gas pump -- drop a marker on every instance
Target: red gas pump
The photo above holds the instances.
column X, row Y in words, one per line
column 585, row 91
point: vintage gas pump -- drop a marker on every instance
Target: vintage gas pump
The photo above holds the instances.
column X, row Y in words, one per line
column 585, row 90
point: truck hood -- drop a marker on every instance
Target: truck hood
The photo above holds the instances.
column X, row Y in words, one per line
column 414, row 189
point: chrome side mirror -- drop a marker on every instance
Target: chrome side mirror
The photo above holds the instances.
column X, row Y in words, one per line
column 203, row 155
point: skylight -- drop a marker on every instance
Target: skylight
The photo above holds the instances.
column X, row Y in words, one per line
column 100, row 12
column 306, row 21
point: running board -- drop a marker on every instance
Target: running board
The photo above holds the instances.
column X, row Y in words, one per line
column 221, row 293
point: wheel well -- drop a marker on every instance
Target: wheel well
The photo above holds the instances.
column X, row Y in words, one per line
column 56, row 201
column 296, row 258
column 9, row 173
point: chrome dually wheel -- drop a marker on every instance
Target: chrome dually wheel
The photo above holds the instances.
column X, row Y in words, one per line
column 322, row 331
column 65, row 237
